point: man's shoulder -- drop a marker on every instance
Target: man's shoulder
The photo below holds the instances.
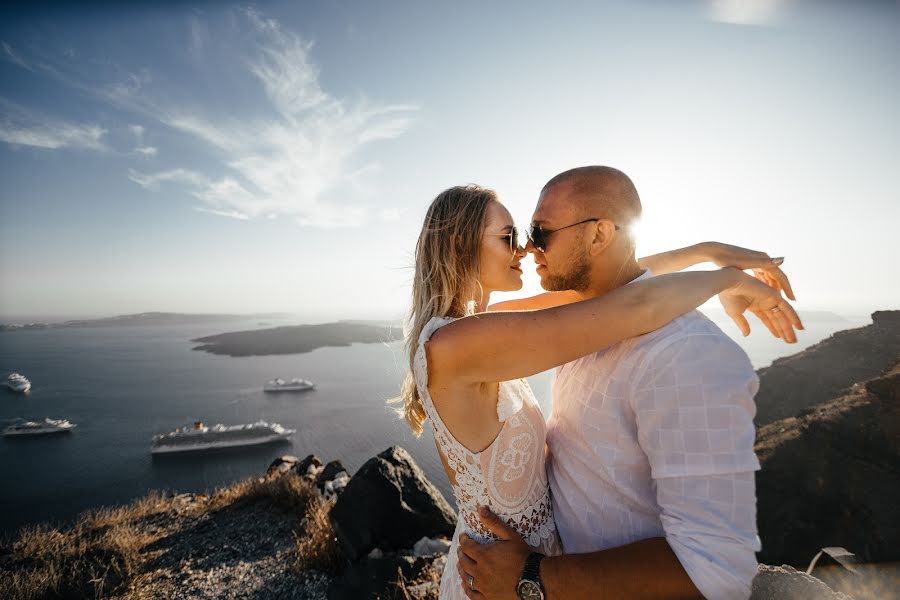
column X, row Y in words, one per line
column 696, row 330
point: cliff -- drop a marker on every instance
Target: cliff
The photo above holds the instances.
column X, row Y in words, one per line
column 821, row 372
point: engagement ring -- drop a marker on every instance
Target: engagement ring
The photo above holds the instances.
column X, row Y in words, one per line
column 471, row 582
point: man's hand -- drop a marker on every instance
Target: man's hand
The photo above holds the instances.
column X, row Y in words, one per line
column 495, row 568
column 765, row 268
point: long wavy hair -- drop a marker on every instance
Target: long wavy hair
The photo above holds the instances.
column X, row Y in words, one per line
column 446, row 280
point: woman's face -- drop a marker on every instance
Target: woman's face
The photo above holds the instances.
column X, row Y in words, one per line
column 500, row 265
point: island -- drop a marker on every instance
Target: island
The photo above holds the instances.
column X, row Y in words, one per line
column 297, row 339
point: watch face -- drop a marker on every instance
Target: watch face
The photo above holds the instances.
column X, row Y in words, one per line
column 529, row 590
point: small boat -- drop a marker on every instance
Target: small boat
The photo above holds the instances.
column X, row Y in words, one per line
column 47, row 426
column 201, row 437
column 294, row 385
column 18, row 383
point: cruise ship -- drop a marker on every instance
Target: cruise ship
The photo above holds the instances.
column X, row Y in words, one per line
column 201, row 437
column 47, row 426
column 18, row 383
column 294, row 385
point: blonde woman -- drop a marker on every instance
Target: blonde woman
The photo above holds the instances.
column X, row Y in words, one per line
column 467, row 365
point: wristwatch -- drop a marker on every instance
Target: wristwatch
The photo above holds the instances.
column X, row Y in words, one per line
column 530, row 587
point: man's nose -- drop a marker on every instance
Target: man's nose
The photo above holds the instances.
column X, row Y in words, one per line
column 529, row 246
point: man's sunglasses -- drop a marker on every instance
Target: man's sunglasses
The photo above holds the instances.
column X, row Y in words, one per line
column 538, row 235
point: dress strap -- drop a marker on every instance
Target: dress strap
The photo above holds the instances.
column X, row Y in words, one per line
column 420, row 372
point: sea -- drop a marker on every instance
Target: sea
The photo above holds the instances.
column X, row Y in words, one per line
column 123, row 384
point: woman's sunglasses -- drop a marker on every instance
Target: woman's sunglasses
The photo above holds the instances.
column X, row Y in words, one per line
column 538, row 235
column 512, row 236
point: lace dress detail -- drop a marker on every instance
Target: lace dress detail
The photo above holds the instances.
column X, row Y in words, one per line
column 508, row 476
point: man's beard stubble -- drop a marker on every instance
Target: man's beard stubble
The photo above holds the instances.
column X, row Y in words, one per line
column 577, row 277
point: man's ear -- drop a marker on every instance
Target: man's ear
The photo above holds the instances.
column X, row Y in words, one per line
column 603, row 233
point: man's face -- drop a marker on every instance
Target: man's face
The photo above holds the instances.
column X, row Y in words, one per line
column 565, row 262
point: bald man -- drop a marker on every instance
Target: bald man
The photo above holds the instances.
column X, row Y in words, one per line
column 650, row 442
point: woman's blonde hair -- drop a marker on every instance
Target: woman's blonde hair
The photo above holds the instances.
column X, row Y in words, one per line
column 446, row 280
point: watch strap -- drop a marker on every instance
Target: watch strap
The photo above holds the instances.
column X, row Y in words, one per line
column 531, row 572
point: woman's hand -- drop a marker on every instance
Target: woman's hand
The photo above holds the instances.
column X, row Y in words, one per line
column 765, row 268
column 766, row 303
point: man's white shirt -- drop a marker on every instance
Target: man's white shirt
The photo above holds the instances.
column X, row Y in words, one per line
column 653, row 437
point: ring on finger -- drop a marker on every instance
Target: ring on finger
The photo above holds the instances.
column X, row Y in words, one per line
column 471, row 582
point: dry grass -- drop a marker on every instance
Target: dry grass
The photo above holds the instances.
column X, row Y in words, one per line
column 97, row 556
column 103, row 553
column 317, row 547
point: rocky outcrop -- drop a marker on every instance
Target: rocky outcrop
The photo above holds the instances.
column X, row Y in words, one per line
column 821, row 372
column 389, row 504
column 388, row 578
column 786, row 583
column 831, row 477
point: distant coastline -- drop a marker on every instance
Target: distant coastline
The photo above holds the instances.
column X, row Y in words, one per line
column 147, row 318
column 297, row 339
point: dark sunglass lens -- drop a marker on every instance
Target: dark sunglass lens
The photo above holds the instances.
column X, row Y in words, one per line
column 537, row 238
column 514, row 240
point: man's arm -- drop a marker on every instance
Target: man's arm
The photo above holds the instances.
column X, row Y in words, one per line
column 647, row 569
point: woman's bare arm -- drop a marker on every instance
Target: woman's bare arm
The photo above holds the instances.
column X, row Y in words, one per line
column 541, row 301
column 499, row 346
column 765, row 268
column 676, row 260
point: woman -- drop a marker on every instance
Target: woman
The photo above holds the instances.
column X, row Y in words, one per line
column 467, row 365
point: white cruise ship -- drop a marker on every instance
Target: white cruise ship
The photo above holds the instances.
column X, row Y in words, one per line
column 294, row 385
column 201, row 437
column 18, row 383
column 44, row 427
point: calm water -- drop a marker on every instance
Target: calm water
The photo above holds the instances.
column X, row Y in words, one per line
column 122, row 385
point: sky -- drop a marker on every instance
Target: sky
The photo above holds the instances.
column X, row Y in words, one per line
column 280, row 156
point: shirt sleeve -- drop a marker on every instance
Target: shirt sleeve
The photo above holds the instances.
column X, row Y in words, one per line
column 710, row 524
column 694, row 411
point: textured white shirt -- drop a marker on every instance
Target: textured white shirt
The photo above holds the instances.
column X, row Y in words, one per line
column 653, row 437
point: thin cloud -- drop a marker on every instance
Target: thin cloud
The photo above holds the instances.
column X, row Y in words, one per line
column 299, row 162
column 14, row 57
column 183, row 176
column 23, row 127
column 147, row 150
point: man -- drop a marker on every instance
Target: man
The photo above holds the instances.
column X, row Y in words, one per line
column 650, row 442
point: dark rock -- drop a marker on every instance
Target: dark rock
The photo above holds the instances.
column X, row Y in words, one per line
column 823, row 371
column 785, row 583
column 330, row 472
column 378, row 578
column 282, row 464
column 389, row 504
column 302, row 467
column 831, row 477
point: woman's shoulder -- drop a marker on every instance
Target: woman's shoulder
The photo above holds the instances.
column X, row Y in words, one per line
column 431, row 327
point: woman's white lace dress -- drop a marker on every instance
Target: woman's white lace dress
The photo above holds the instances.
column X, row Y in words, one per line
column 508, row 476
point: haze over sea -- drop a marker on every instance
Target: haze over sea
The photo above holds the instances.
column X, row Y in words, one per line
column 123, row 384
